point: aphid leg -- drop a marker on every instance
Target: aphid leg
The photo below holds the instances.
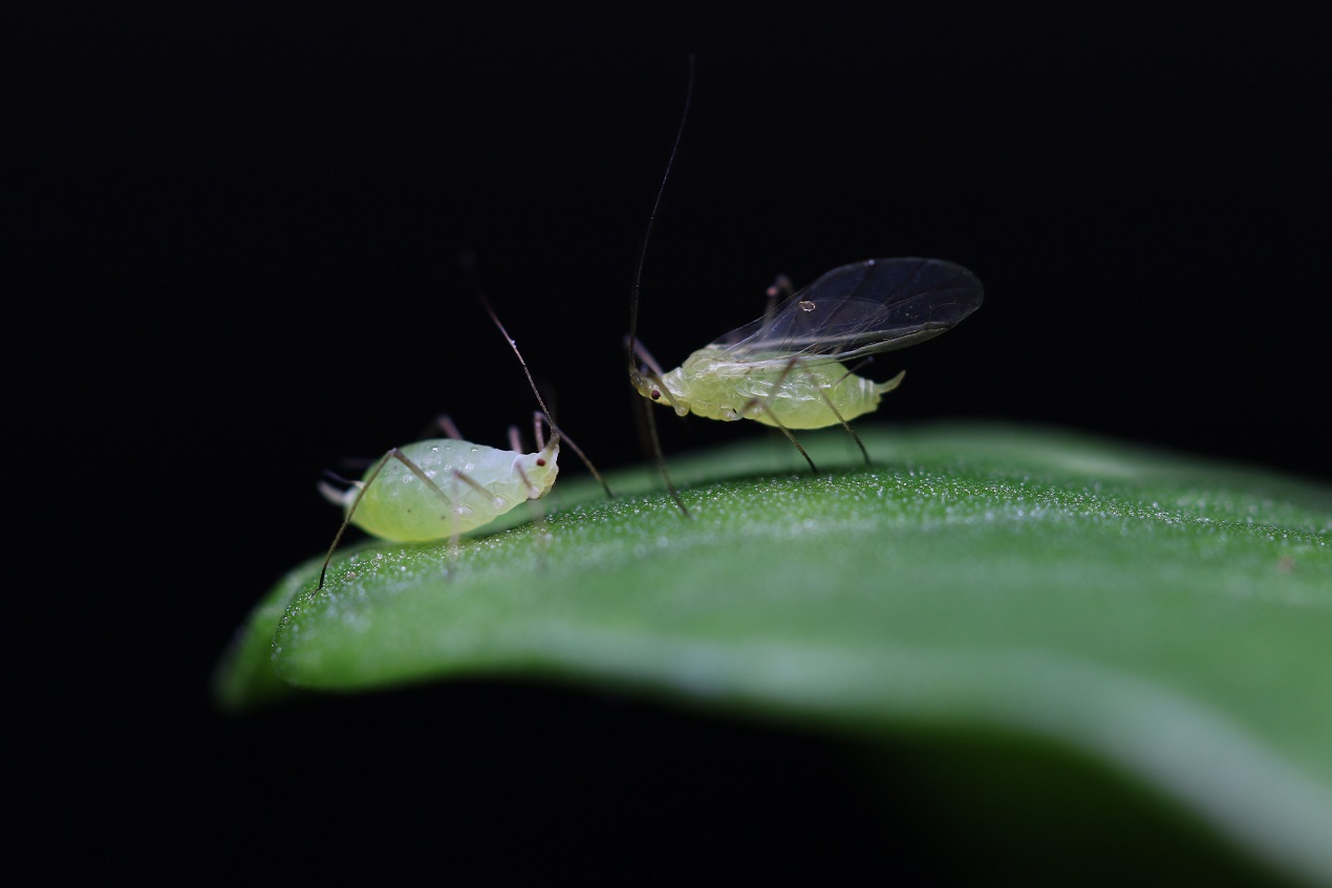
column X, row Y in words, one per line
column 346, row 519
column 763, row 404
column 533, row 491
column 444, row 423
column 660, row 456
column 425, row 479
column 651, row 372
column 881, row 388
column 455, row 531
column 393, row 453
column 450, row 501
column 539, row 520
column 472, row 483
column 573, row 445
column 455, row 517
column 455, row 512
column 792, row 438
column 850, row 431
column 538, row 433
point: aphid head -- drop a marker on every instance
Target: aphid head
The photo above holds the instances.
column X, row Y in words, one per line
column 645, row 382
column 541, row 468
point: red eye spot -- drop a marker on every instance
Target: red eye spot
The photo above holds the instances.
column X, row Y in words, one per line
column 656, row 395
column 541, row 462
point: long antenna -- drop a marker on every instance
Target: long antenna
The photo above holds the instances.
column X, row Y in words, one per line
column 652, row 218
column 632, row 350
column 485, row 303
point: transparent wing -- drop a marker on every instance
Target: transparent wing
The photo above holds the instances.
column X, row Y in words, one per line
column 860, row 309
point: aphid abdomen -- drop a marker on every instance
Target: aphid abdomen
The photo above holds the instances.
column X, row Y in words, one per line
column 398, row 505
column 798, row 396
column 814, row 397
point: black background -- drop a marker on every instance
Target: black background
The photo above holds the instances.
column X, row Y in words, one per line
column 235, row 241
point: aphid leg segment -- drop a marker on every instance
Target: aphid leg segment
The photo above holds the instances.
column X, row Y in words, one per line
column 445, row 425
column 455, row 531
column 754, row 405
column 792, row 438
column 539, row 425
column 537, row 433
column 841, row 419
column 456, row 507
column 532, row 490
column 416, row 470
column 559, row 435
column 661, row 459
column 832, row 408
column 457, row 510
column 538, row 519
column 648, row 382
column 346, row 519
column 393, row 453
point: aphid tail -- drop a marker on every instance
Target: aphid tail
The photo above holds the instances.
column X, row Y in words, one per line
column 884, row 388
column 337, row 497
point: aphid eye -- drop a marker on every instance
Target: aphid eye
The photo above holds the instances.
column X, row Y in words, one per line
column 541, row 462
column 806, row 305
column 656, row 395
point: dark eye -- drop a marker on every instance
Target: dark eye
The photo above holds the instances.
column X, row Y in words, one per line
column 656, row 395
column 541, row 462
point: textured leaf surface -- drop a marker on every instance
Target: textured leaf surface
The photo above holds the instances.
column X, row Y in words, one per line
column 1168, row 617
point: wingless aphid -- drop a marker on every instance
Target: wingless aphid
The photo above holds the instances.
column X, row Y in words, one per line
column 788, row 368
column 444, row 487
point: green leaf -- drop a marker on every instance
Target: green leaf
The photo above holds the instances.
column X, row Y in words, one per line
column 1167, row 618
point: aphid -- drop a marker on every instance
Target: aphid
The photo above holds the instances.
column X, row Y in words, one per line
column 787, row 368
column 444, row 487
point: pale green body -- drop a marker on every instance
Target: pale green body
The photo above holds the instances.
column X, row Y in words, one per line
column 793, row 394
column 397, row 505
